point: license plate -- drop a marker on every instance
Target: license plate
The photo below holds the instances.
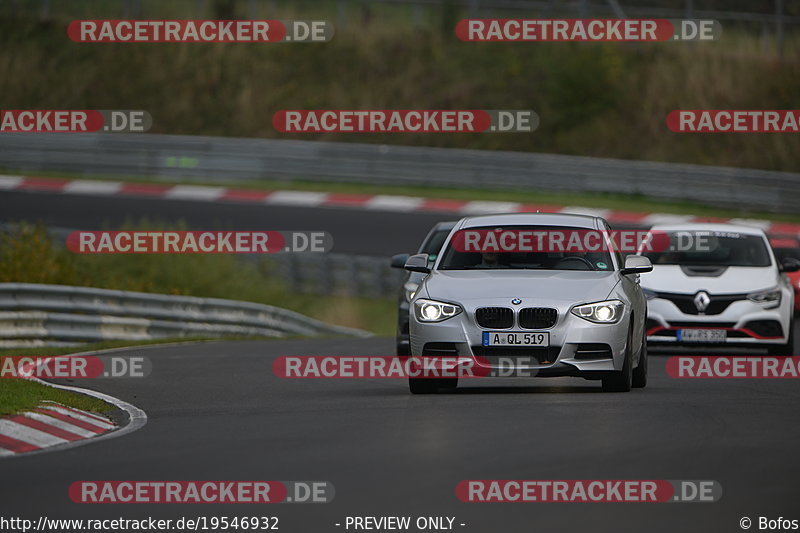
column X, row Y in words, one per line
column 515, row 338
column 702, row 335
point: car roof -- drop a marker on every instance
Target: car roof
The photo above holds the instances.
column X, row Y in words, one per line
column 533, row 219
column 709, row 226
column 448, row 225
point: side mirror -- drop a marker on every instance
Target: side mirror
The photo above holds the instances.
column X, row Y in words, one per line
column 399, row 260
column 637, row 264
column 789, row 264
column 418, row 263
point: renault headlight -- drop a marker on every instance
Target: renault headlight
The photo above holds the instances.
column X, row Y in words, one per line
column 433, row 311
column 770, row 297
column 608, row 312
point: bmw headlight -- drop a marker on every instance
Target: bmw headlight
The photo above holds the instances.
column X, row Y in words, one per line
column 433, row 311
column 410, row 289
column 608, row 312
column 770, row 297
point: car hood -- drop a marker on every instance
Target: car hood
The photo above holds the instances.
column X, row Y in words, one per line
column 551, row 285
column 733, row 280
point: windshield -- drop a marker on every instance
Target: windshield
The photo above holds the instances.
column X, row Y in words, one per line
column 457, row 258
column 712, row 248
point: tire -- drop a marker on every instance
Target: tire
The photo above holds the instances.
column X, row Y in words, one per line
column 448, row 383
column 639, row 380
column 621, row 381
column 784, row 349
column 423, row 385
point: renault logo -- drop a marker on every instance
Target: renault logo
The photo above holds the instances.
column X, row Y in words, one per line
column 516, row 301
column 701, row 301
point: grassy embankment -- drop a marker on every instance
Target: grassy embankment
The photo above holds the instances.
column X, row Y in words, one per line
column 594, row 99
column 29, row 255
column 17, row 395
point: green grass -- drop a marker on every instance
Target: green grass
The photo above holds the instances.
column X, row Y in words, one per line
column 595, row 99
column 28, row 255
column 17, row 395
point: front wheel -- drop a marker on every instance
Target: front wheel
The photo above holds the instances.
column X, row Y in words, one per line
column 622, row 381
column 423, row 386
column 448, row 383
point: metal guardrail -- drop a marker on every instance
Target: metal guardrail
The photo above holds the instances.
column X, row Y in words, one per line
column 39, row 314
column 225, row 159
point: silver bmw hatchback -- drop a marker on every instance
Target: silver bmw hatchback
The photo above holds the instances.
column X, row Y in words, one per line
column 507, row 297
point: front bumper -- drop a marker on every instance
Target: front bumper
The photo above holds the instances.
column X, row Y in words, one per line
column 577, row 347
column 746, row 323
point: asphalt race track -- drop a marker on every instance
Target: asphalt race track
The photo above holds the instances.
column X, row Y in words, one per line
column 216, row 412
column 354, row 230
column 358, row 231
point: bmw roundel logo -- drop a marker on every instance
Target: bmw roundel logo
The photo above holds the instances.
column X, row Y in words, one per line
column 516, row 301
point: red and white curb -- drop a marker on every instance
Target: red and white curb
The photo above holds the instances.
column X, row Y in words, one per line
column 50, row 424
column 374, row 202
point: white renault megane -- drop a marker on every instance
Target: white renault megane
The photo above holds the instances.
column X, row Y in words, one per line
column 531, row 311
column 719, row 284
